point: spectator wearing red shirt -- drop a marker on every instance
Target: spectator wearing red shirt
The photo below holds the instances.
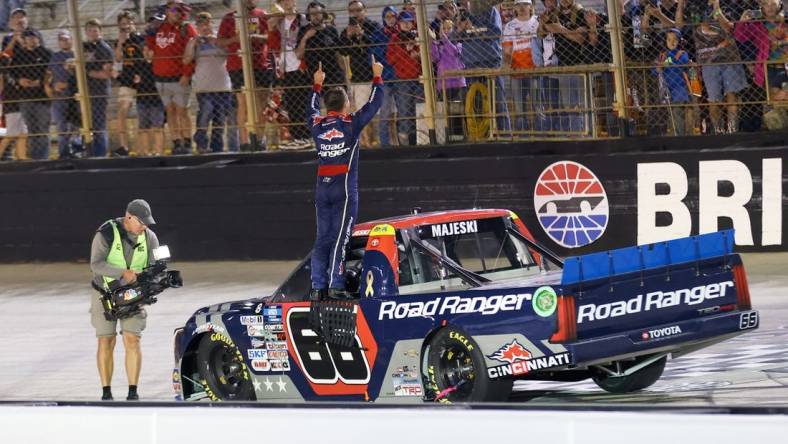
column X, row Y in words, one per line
column 229, row 38
column 168, row 44
column 403, row 55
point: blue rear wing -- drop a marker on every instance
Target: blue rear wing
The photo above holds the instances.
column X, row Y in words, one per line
column 606, row 264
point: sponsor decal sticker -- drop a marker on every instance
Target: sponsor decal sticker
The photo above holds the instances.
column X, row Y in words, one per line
column 406, row 382
column 258, row 343
column 280, row 365
column 485, row 305
column 655, row 300
column 545, row 301
column 276, row 345
column 130, row 294
column 261, row 365
column 661, row 332
column 257, row 354
column 277, row 354
column 519, row 361
column 249, row 320
column 204, row 328
column 571, row 204
column 255, row 331
column 274, row 327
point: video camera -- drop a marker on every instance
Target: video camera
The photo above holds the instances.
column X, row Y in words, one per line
column 124, row 301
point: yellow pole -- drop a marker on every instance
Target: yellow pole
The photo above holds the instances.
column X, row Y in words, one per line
column 426, row 70
column 248, row 69
column 619, row 78
column 82, row 79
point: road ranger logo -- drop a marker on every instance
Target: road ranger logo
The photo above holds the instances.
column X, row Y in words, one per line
column 464, row 227
column 661, row 332
column 518, row 368
column 652, row 301
column 486, row 305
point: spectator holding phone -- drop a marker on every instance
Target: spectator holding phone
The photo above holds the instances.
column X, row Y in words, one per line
column 766, row 28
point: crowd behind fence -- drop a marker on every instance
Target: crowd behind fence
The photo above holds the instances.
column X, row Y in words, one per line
column 227, row 76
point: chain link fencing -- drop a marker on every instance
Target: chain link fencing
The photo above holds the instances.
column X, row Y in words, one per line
column 190, row 78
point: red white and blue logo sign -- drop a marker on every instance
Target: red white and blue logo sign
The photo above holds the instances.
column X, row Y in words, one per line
column 571, row 204
column 332, row 134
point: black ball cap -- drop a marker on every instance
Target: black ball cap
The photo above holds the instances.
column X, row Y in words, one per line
column 141, row 210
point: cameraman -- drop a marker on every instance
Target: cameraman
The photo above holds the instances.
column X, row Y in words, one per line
column 121, row 249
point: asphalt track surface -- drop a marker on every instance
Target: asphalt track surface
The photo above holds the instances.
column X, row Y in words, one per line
column 48, row 345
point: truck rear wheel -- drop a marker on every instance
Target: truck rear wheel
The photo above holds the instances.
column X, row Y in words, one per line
column 638, row 380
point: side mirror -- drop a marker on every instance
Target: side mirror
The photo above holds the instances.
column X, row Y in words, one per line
column 161, row 253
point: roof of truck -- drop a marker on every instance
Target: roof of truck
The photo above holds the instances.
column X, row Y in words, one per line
column 435, row 217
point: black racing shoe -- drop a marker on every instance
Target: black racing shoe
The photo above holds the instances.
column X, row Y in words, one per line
column 318, row 294
column 107, row 396
column 334, row 293
column 133, row 397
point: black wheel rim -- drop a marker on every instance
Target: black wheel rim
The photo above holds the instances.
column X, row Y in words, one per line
column 457, row 372
column 228, row 371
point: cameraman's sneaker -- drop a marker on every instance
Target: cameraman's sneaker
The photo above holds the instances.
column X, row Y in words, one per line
column 120, row 151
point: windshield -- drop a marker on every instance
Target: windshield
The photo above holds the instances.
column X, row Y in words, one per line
column 487, row 247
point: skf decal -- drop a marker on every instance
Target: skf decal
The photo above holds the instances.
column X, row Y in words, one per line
column 511, row 352
column 518, row 368
column 331, row 134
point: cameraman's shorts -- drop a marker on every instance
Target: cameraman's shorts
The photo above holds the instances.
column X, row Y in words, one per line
column 133, row 325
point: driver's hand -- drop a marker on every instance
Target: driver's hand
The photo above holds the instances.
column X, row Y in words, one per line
column 129, row 276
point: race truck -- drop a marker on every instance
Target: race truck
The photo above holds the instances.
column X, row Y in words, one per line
column 454, row 306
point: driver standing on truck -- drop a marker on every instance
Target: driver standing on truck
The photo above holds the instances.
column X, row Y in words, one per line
column 336, row 137
column 121, row 249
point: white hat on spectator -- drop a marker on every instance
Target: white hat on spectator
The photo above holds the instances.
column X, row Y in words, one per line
column 64, row 33
column 528, row 2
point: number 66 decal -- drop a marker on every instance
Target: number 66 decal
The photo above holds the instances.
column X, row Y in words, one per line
column 748, row 320
column 323, row 363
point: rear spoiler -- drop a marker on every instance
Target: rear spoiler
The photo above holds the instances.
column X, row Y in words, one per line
column 641, row 258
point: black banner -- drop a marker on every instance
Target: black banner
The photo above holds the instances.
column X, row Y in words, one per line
column 575, row 197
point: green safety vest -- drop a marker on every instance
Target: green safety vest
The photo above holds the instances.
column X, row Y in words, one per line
column 116, row 257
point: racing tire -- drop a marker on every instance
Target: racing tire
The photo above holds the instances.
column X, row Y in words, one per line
column 456, row 370
column 639, row 380
column 222, row 370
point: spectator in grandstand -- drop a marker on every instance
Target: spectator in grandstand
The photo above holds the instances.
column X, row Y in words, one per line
column 403, row 55
column 16, row 130
column 17, row 24
column 128, row 52
column 319, row 43
column 211, row 83
column 357, row 42
column 264, row 72
column 287, row 25
column 168, row 43
column 61, row 68
column 766, row 28
column 481, row 32
column 543, row 53
column 517, row 35
column 98, row 65
column 150, row 109
column 388, row 108
column 671, row 69
column 7, row 7
column 408, row 5
column 447, row 10
column 447, row 56
column 717, row 52
column 30, row 64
